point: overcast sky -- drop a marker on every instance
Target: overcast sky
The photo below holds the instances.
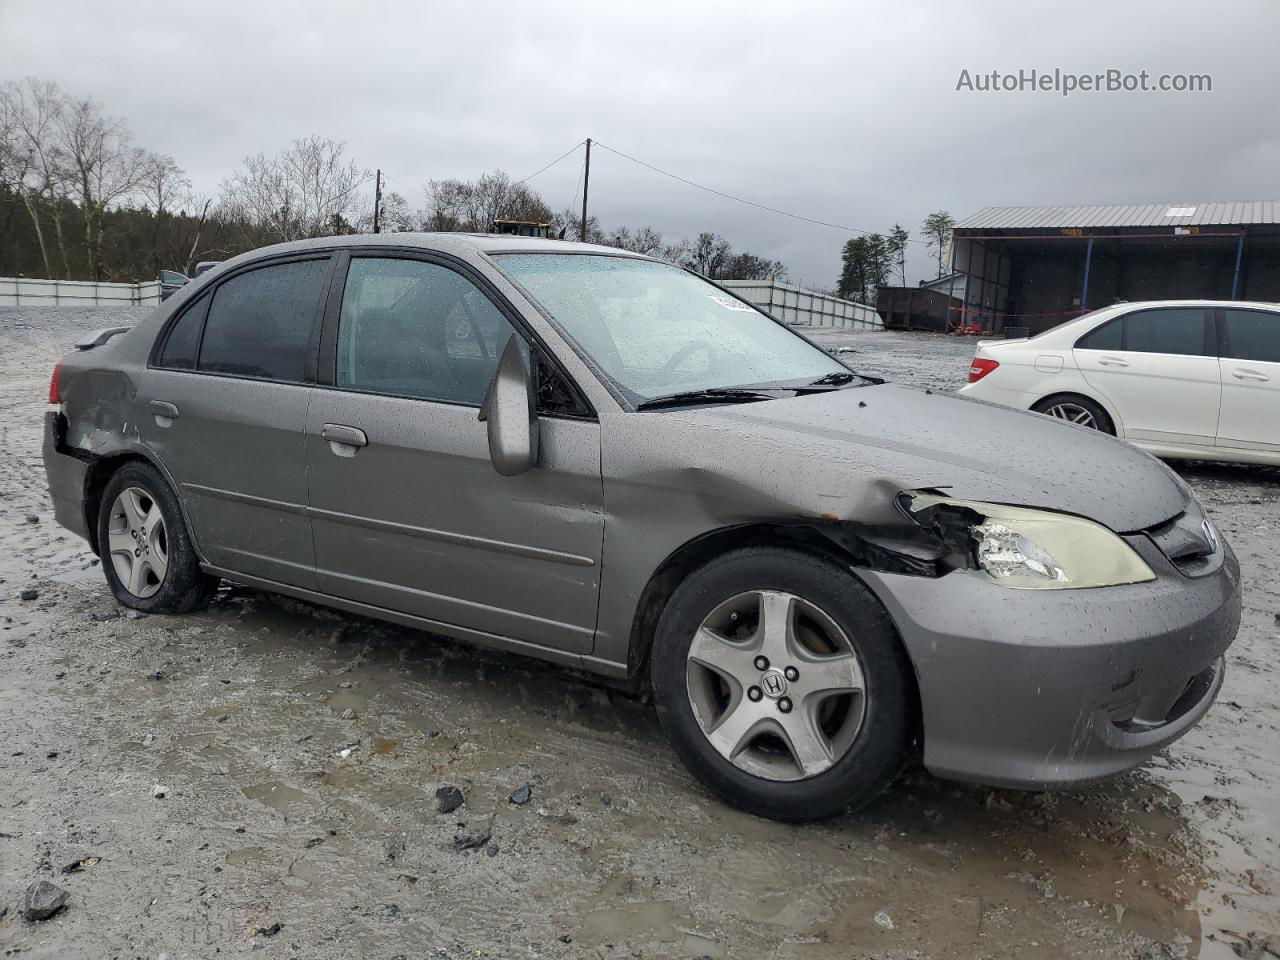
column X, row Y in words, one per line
column 838, row 111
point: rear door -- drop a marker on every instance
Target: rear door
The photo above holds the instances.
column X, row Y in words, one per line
column 1250, row 371
column 408, row 512
column 1159, row 368
column 224, row 407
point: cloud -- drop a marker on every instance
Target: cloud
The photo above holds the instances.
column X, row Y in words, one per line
column 838, row 111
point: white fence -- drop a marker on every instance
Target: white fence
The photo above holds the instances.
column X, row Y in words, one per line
column 792, row 304
column 27, row 292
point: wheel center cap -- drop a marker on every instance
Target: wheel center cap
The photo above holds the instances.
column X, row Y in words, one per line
column 773, row 683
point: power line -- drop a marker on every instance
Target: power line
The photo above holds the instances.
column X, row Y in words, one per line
column 573, row 201
column 750, row 203
column 552, row 163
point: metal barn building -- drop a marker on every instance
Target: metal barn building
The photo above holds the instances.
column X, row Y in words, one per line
column 1037, row 267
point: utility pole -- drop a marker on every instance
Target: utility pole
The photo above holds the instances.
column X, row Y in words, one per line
column 377, row 200
column 586, row 181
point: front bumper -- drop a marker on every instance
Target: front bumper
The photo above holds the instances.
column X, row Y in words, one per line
column 1047, row 688
column 66, row 473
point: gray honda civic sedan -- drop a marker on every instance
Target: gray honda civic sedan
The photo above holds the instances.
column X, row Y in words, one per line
column 589, row 456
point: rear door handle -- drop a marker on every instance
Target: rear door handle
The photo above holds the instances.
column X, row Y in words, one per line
column 1113, row 362
column 1249, row 375
column 343, row 440
column 164, row 412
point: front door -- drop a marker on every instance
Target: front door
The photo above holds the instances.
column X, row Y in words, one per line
column 407, row 510
column 224, row 408
column 1250, row 366
column 1159, row 369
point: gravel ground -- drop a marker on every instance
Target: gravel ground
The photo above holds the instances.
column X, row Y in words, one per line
column 299, row 752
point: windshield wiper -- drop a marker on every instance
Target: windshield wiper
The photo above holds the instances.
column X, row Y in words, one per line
column 838, row 378
column 692, row 398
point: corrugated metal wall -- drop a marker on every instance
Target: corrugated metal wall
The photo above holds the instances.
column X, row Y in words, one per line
column 27, row 292
column 792, row 304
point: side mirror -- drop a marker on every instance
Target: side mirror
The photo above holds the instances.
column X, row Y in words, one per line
column 511, row 411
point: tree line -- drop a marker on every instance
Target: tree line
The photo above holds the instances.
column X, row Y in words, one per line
column 876, row 260
column 79, row 200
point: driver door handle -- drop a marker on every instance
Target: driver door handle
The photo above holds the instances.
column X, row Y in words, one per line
column 346, row 436
column 1113, row 362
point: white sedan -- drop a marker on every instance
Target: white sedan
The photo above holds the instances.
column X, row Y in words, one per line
column 1198, row 379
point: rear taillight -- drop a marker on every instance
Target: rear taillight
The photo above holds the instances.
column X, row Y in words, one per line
column 980, row 367
column 53, row 383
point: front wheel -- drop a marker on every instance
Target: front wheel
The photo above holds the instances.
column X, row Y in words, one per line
column 781, row 683
column 147, row 554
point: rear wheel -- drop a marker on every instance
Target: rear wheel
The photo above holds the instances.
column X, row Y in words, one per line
column 782, row 685
column 147, row 554
column 1076, row 409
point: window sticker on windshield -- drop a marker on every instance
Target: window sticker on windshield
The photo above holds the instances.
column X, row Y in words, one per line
column 730, row 304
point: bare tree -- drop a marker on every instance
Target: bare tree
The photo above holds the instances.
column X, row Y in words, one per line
column 474, row 205
column 898, row 239
column 569, row 223
column 162, row 187
column 645, row 240
column 937, row 229
column 748, row 266
column 396, row 217
column 106, row 167
column 197, row 233
column 309, row 190
column 709, row 254
column 30, row 110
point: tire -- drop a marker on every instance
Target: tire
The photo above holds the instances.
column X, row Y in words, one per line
column 130, row 540
column 1072, row 406
column 864, row 737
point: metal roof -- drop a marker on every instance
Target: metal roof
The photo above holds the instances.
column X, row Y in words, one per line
column 1125, row 215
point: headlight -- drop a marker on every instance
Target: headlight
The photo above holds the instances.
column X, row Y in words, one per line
column 1030, row 549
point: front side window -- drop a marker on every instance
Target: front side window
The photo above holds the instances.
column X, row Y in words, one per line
column 410, row 328
column 260, row 323
column 1252, row 335
column 655, row 329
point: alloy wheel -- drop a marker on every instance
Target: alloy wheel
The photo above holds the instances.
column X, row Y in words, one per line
column 776, row 685
column 137, row 542
column 1073, row 413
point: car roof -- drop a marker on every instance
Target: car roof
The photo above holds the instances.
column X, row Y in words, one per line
column 446, row 242
column 1132, row 304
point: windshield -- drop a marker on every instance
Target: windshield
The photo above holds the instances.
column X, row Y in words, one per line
column 655, row 329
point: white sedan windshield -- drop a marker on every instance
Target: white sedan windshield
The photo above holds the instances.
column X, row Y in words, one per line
column 655, row 329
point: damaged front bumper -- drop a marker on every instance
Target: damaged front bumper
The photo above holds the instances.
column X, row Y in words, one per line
column 1047, row 688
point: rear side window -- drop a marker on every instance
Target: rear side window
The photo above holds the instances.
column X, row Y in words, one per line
column 260, row 323
column 1165, row 331
column 1252, row 335
column 1175, row 330
column 183, row 343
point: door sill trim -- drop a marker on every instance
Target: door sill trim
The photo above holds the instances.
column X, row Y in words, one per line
column 480, row 638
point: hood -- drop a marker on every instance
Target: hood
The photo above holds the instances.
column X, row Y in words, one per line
column 894, row 436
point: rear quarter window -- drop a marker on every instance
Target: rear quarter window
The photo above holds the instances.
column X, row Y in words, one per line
column 183, row 340
column 260, row 323
column 1109, row 336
